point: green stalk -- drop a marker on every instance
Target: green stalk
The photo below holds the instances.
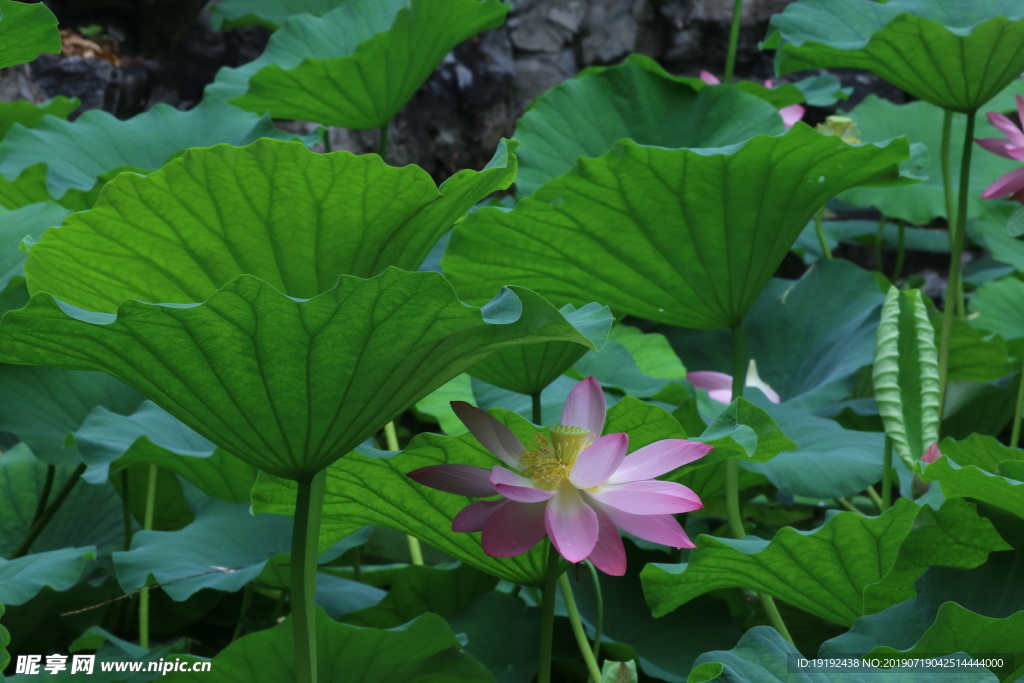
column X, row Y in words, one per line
column 956, row 253
column 547, row 617
column 847, row 505
column 147, row 524
column 577, row 629
column 327, row 141
column 875, row 498
column 887, row 475
column 599, row 624
column 44, row 497
column 246, row 602
column 382, row 146
column 732, row 492
column 1015, row 434
column 126, row 509
column 819, row 228
column 415, row 550
column 901, row 251
column 537, row 413
column 305, row 541
column 879, row 238
column 734, row 40
column 947, row 191
column 40, row 525
column 357, row 563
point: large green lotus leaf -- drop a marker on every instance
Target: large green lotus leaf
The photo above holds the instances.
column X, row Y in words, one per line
column 823, row 571
column 357, row 66
column 975, row 355
column 956, row 55
column 955, row 535
column 418, row 589
column 26, row 30
column 504, row 635
column 28, row 188
column 880, row 119
column 422, row 651
column 585, row 116
column 637, row 363
column 991, row 231
column 90, row 515
column 269, row 13
column 29, row 113
column 26, row 222
column 286, row 385
column 78, row 152
column 976, row 407
column 764, row 656
column 829, row 460
column 819, row 366
column 529, row 369
column 185, row 561
column 659, row 233
column 110, row 442
column 272, row 209
column 972, row 468
column 978, row 611
column 997, row 305
column 41, row 406
column 23, row 578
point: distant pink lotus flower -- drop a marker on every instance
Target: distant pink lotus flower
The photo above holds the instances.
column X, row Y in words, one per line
column 790, row 114
column 578, row 488
column 719, row 385
column 1012, row 148
column 931, row 454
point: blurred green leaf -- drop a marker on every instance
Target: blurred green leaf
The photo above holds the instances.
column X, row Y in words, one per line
column 26, row 30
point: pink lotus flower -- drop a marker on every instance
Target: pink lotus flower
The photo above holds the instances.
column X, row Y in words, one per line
column 931, row 454
column 1012, row 148
column 790, row 114
column 578, row 488
column 719, row 385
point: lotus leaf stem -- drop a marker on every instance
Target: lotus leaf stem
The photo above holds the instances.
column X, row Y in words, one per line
column 887, row 475
column 382, row 146
column 147, row 524
column 577, row 629
column 599, row 623
column 1015, row 434
column 875, row 498
column 734, row 40
column 44, row 497
column 732, row 488
column 879, row 241
column 39, row 526
column 547, row 617
column 537, row 412
column 305, row 542
column 901, row 251
column 956, row 253
column 819, row 228
column 415, row 550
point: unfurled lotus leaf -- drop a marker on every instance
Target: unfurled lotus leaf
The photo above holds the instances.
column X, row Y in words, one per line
column 686, row 237
column 78, row 152
column 287, row 385
column 358, row 65
column 952, row 53
column 26, row 30
column 271, row 209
